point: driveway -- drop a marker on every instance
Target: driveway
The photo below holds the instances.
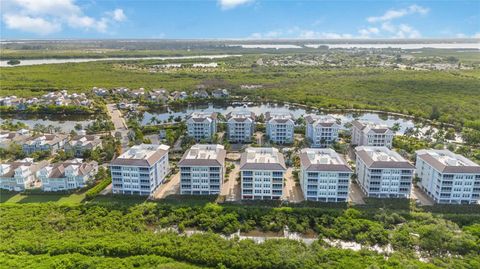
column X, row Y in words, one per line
column 119, row 124
column 292, row 192
column 419, row 195
column 231, row 187
column 356, row 195
column 168, row 188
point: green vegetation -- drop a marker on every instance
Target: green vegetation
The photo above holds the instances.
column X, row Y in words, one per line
column 13, row 126
column 447, row 96
column 102, row 230
column 103, row 178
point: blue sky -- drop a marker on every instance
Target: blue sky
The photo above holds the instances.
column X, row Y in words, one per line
column 25, row 19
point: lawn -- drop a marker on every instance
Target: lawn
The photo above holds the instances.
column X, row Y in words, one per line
column 11, row 197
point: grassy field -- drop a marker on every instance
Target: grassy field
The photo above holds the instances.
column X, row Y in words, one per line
column 12, row 197
column 454, row 94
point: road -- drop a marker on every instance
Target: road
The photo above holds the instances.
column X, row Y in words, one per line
column 292, row 192
column 119, row 124
column 420, row 196
column 231, row 187
column 356, row 195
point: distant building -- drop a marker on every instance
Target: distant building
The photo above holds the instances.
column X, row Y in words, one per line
column 280, row 127
column 240, row 126
column 371, row 134
column 202, row 169
column 324, row 175
column 137, row 93
column 158, row 95
column 44, row 142
column 19, row 175
column 80, row 143
column 220, row 93
column 7, row 138
column 383, row 173
column 177, row 96
column 100, row 91
column 121, row 91
column 202, row 125
column 140, row 170
column 200, row 94
column 321, row 131
column 68, row 175
column 447, row 177
column 261, row 172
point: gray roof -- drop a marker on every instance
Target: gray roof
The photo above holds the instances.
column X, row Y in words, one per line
column 33, row 166
column 466, row 167
column 219, row 159
column 146, row 162
column 399, row 163
column 278, row 165
column 340, row 166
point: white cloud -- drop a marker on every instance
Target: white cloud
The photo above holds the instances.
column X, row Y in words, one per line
column 406, row 31
column 398, row 13
column 118, row 15
column 49, row 16
column 476, row 35
column 31, row 24
column 229, row 4
column 368, row 32
column 299, row 33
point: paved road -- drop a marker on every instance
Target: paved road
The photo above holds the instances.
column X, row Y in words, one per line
column 292, row 192
column 231, row 187
column 119, row 124
column 168, row 188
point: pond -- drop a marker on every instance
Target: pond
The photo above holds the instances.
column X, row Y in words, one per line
column 65, row 122
column 261, row 108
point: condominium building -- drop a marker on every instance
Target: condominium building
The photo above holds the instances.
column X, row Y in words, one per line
column 80, row 143
column 447, row 177
column 382, row 172
column 371, row 134
column 240, row 126
column 44, row 142
column 261, row 173
column 202, row 169
column 280, row 127
column 140, row 170
column 321, row 131
column 20, row 175
column 324, row 175
column 68, row 175
column 202, row 125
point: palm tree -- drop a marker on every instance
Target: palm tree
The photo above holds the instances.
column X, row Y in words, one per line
column 153, row 119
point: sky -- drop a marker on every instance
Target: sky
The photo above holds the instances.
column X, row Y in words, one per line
column 238, row 19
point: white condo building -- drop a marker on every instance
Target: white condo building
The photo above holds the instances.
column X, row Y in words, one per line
column 324, row 175
column 240, row 126
column 280, row 127
column 262, row 171
column 202, row 125
column 140, row 170
column 20, row 175
column 321, row 131
column 202, row 169
column 383, row 173
column 68, row 175
column 371, row 134
column 447, row 177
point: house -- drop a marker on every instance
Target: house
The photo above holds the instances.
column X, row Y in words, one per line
column 200, row 94
column 202, row 169
column 383, row 173
column 140, row 170
column 371, row 134
column 44, row 142
column 67, row 175
column 261, row 173
column 220, row 93
column 240, row 126
column 176, row 95
column 324, row 175
column 321, row 131
column 202, row 125
column 158, row 95
column 8, row 101
column 80, row 143
column 162, row 134
column 121, row 91
column 448, row 178
column 19, row 175
column 137, row 93
column 100, row 91
column 280, row 127
column 7, row 138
